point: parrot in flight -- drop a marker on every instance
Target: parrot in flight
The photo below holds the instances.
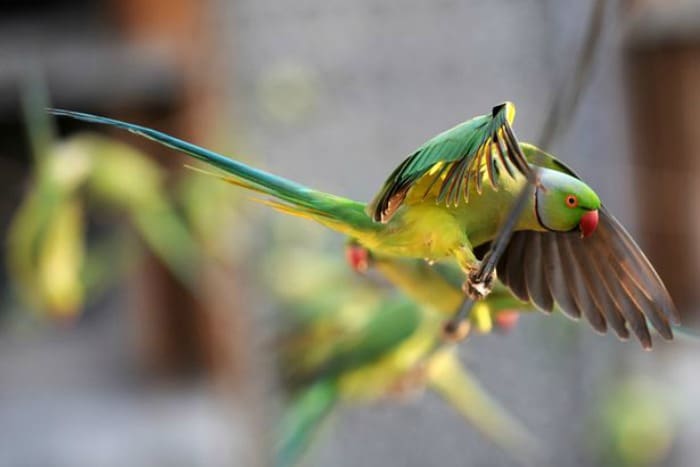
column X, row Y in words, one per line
column 449, row 198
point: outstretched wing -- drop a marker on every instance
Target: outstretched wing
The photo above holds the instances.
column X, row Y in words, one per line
column 604, row 277
column 454, row 159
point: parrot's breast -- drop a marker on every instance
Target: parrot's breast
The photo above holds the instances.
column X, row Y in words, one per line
column 480, row 212
column 426, row 227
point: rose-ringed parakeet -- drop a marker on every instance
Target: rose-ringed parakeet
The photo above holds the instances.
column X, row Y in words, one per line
column 452, row 195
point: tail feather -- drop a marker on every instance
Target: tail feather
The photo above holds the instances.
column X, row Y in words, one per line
column 302, row 420
column 336, row 212
column 292, row 210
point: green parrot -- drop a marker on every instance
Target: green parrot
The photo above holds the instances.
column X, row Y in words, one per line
column 360, row 344
column 449, row 198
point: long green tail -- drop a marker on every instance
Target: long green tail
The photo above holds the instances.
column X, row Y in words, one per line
column 335, row 212
column 301, row 421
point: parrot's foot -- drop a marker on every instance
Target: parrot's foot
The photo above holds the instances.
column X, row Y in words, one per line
column 358, row 257
column 456, row 332
column 475, row 288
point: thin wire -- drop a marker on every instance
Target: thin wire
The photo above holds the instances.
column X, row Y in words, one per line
column 559, row 117
column 490, row 260
column 567, row 98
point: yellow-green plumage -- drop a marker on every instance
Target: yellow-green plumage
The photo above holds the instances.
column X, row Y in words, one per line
column 451, row 196
column 427, row 228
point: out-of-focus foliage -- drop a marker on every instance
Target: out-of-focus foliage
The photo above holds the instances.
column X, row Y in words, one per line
column 55, row 260
column 52, row 261
column 212, row 213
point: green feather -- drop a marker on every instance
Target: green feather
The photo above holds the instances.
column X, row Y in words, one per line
column 301, row 421
column 336, row 212
column 467, row 149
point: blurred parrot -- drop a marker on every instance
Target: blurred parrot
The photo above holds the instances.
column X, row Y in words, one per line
column 359, row 344
column 449, row 198
column 438, row 286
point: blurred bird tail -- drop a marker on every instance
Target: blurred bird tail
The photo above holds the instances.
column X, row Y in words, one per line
column 461, row 390
column 301, row 421
column 337, row 213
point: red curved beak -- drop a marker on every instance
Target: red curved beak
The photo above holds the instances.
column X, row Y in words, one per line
column 588, row 224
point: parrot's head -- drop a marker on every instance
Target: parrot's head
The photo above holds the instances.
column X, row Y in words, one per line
column 564, row 203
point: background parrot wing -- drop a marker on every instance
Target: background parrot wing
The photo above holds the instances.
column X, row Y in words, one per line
column 449, row 161
column 392, row 322
column 439, row 286
column 604, row 277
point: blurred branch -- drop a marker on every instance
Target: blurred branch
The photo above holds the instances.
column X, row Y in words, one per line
column 567, row 98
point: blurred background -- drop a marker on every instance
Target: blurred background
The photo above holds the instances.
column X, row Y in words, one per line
column 141, row 301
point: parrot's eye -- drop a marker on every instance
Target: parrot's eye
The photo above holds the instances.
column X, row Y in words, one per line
column 571, row 201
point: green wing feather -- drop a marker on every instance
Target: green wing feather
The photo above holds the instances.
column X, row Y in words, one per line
column 453, row 159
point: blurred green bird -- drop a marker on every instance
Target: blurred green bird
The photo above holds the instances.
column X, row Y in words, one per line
column 437, row 286
column 358, row 344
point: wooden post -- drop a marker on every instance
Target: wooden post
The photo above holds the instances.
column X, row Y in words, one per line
column 179, row 333
column 662, row 72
